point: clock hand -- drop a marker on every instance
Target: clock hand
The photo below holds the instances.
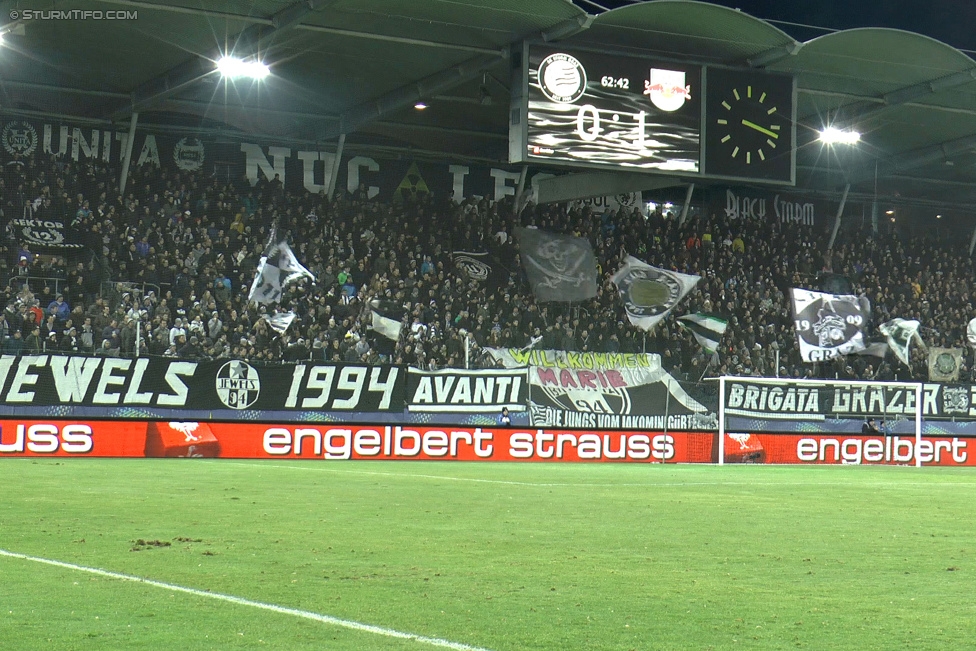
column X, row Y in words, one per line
column 753, row 125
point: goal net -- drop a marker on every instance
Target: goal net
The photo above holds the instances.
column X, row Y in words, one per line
column 781, row 420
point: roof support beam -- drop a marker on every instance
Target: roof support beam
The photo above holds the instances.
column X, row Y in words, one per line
column 441, row 82
column 405, row 96
column 254, row 20
column 774, row 55
column 905, row 96
column 191, row 70
column 914, row 159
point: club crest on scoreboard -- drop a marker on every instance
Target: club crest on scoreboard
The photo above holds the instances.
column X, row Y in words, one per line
column 667, row 89
column 562, row 78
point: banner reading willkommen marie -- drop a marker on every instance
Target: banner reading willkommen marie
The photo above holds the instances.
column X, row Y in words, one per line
column 572, row 389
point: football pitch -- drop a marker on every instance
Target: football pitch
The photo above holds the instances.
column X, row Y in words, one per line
column 499, row 557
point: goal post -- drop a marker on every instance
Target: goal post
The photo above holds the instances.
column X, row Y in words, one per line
column 760, row 400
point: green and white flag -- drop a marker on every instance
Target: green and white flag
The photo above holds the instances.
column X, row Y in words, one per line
column 900, row 333
column 706, row 328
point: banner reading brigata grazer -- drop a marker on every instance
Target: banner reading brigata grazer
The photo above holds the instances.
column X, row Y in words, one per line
column 843, row 407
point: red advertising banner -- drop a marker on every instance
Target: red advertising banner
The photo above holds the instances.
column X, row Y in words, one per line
column 385, row 442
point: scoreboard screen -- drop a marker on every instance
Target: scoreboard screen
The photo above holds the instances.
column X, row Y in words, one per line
column 599, row 110
column 586, row 109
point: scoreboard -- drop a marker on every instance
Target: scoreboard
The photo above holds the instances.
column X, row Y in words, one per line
column 588, row 109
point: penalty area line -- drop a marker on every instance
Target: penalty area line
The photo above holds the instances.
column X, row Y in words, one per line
column 304, row 614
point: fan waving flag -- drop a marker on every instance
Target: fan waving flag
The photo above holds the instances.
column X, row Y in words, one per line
column 900, row 333
column 387, row 318
column 559, row 267
column 649, row 294
column 829, row 325
column 706, row 328
column 281, row 321
column 278, row 268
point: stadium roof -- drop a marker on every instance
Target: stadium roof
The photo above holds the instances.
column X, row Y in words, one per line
column 358, row 66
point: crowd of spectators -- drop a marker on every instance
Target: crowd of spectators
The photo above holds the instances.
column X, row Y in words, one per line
column 166, row 268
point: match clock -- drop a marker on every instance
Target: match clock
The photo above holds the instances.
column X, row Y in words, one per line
column 749, row 119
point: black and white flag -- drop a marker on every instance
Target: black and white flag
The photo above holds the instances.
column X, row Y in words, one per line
column 277, row 269
column 387, row 318
column 280, row 321
column 829, row 325
column 473, row 266
column 480, row 267
column 559, row 267
column 900, row 333
column 649, row 293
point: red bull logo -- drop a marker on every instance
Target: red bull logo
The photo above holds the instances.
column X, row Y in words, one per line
column 667, row 89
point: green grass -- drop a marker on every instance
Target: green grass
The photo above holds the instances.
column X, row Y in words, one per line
column 535, row 556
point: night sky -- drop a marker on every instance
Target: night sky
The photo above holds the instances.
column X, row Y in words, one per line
column 950, row 21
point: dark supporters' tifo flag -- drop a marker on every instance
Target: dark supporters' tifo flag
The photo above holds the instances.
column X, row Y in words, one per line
column 944, row 364
column 829, row 325
column 278, row 268
column 649, row 293
column 479, row 267
column 560, row 267
column 900, row 333
column 706, row 328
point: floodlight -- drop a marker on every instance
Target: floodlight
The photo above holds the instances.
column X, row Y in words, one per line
column 420, row 106
column 835, row 136
column 236, row 68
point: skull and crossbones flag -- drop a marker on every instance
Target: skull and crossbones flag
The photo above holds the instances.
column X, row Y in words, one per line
column 829, row 325
column 560, row 267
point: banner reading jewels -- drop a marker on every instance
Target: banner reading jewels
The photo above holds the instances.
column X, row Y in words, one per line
column 62, row 385
column 606, row 390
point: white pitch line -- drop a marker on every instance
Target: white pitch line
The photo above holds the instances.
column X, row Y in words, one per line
column 319, row 468
column 305, row 614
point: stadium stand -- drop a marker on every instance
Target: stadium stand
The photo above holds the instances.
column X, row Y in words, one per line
column 169, row 265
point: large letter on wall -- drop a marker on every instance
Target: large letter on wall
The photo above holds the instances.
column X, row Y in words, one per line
column 255, row 160
column 352, row 177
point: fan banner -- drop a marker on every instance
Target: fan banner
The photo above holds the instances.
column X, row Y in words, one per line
column 571, row 389
column 560, row 268
column 101, row 386
column 843, row 407
column 829, row 325
column 945, row 364
column 189, row 439
column 454, row 390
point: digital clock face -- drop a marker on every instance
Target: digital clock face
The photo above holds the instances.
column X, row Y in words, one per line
column 592, row 109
